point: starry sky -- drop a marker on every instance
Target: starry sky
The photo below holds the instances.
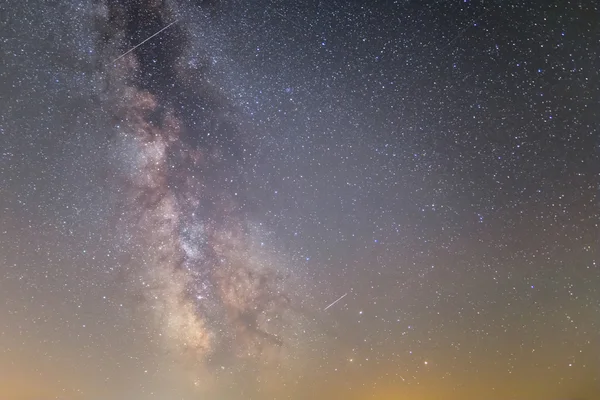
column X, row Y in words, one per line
column 278, row 199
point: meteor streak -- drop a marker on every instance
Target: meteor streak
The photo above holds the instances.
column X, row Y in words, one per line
column 344, row 295
column 135, row 47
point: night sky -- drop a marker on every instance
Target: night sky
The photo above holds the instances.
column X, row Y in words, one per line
column 179, row 221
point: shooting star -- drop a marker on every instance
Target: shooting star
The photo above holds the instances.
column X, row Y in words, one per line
column 135, row 47
column 344, row 295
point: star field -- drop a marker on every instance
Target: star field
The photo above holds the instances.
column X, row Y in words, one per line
column 186, row 188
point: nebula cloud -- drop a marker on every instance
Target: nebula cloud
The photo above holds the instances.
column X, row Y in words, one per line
column 204, row 276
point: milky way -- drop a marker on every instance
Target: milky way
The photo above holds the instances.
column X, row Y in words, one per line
column 276, row 199
column 203, row 273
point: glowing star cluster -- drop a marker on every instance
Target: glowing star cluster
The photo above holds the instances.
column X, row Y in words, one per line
column 170, row 282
